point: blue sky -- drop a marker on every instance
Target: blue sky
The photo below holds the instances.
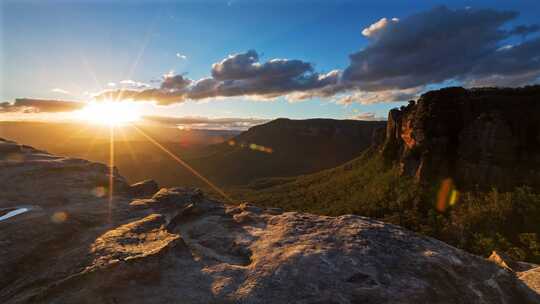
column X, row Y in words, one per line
column 80, row 46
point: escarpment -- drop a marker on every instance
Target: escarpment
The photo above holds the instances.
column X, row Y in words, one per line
column 479, row 137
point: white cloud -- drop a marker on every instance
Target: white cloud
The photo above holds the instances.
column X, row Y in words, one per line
column 371, row 30
column 183, row 57
column 60, row 91
column 366, row 97
column 370, row 116
column 134, row 84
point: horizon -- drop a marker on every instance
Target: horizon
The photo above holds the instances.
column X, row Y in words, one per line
column 185, row 59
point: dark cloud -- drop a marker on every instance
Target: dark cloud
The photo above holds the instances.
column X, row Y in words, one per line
column 237, row 75
column 207, row 123
column 439, row 45
column 525, row 30
column 27, row 105
column 177, row 82
column 246, row 66
column 513, row 65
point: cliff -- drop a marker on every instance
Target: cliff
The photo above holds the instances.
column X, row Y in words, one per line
column 63, row 241
column 479, row 137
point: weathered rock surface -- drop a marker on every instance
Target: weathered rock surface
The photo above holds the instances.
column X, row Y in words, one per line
column 145, row 188
column 178, row 246
column 485, row 137
column 527, row 272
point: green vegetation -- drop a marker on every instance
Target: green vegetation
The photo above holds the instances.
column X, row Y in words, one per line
column 479, row 222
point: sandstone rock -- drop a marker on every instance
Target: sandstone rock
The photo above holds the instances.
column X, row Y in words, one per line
column 507, row 262
column 531, row 278
column 485, row 137
column 527, row 272
column 182, row 247
column 145, row 188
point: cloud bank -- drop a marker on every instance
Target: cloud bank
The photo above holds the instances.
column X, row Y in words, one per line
column 442, row 44
column 237, row 75
column 207, row 123
column 27, row 105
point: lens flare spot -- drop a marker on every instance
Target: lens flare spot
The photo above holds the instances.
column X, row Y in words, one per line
column 59, row 217
column 447, row 196
column 251, row 146
column 99, row 191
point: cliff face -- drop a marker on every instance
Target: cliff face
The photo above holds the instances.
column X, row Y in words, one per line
column 62, row 241
column 478, row 137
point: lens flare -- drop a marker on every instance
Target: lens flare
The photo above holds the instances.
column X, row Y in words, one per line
column 252, row 146
column 447, row 196
column 59, row 217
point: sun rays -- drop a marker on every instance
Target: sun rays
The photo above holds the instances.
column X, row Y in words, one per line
column 183, row 163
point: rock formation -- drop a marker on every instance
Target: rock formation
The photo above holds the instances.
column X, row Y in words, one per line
column 74, row 245
column 479, row 137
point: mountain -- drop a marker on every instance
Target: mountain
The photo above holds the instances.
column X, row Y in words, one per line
column 285, row 147
column 459, row 165
column 64, row 241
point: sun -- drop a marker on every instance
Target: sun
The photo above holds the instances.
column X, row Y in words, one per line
column 110, row 113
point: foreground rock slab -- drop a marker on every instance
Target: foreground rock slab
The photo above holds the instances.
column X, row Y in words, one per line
column 178, row 246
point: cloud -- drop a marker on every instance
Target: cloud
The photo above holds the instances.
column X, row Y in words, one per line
column 27, row 105
column 376, row 27
column 237, row 75
column 525, row 30
column 60, row 91
column 439, row 45
column 177, row 82
column 134, row 84
column 365, row 97
column 402, row 57
column 197, row 122
column 369, row 116
column 183, row 57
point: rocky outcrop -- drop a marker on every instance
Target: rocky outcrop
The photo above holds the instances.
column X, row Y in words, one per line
column 479, row 137
column 145, row 188
column 76, row 245
column 527, row 272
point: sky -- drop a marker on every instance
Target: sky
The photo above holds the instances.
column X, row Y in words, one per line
column 259, row 59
